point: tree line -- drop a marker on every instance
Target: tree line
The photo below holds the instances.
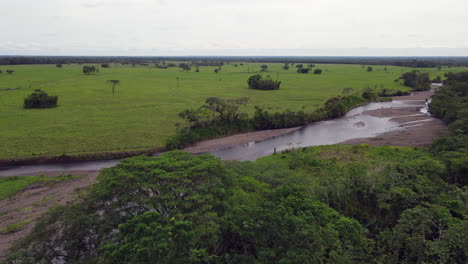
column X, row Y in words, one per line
column 418, row 62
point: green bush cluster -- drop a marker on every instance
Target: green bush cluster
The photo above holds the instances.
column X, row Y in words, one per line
column 220, row 117
column 40, row 99
column 329, row 204
column 450, row 103
column 417, row 80
column 257, row 82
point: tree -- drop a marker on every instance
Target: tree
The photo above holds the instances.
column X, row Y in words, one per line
column 417, row 80
column 369, row 68
column 105, row 65
column 10, row 71
column 113, row 83
column 317, row 71
column 185, row 66
column 286, row 66
column 58, row 65
column 257, row 82
column 40, row 99
column 264, row 67
column 216, row 70
column 89, row 69
column 303, row 70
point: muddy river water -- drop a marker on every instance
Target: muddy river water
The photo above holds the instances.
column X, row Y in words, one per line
column 353, row 125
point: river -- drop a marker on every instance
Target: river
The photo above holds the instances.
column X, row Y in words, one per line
column 353, row 125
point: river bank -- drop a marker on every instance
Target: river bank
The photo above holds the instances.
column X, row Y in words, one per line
column 417, row 128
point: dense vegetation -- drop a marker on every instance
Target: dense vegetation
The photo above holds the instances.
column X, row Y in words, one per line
column 415, row 62
column 330, row 204
column 418, row 81
column 450, row 103
column 40, row 99
column 257, row 82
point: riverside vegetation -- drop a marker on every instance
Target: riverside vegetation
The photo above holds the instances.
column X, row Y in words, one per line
column 328, row 204
column 143, row 112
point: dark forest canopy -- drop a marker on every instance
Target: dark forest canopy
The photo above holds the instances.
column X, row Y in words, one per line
column 420, row 62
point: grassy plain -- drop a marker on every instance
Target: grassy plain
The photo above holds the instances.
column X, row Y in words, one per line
column 143, row 111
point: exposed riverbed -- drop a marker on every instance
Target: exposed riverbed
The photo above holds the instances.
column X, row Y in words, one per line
column 404, row 122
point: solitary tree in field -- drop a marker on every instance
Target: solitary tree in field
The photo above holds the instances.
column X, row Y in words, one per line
column 264, row 67
column 286, row 66
column 369, row 68
column 113, row 83
column 10, row 71
column 89, row 69
column 216, row 70
column 58, row 65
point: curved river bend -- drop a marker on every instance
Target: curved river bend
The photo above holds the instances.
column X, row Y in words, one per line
column 353, row 125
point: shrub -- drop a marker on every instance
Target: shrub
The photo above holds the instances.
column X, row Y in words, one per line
column 257, row 82
column 317, row 71
column 303, row 70
column 105, row 65
column 89, row 69
column 40, row 99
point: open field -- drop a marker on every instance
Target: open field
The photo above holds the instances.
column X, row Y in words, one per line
column 143, row 111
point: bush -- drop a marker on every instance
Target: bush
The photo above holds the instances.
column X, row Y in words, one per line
column 317, row 71
column 303, row 70
column 40, row 99
column 257, row 82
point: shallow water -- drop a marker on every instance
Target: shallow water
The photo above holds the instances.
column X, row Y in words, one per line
column 352, row 125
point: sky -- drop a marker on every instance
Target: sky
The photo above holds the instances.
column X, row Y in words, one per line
column 234, row 27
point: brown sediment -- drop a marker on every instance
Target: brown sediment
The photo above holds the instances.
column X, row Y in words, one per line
column 243, row 138
column 30, row 204
column 417, row 129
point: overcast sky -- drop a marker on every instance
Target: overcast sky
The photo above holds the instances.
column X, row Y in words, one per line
column 234, row 27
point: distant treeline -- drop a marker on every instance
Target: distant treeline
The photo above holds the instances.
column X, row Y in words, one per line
column 419, row 62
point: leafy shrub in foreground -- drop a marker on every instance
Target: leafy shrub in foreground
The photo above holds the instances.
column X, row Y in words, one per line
column 40, row 99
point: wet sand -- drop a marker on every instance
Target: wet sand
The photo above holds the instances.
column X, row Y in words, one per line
column 243, row 138
column 418, row 129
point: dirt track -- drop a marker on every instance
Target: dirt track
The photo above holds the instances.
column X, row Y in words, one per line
column 34, row 201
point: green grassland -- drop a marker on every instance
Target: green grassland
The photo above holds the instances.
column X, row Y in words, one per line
column 143, row 111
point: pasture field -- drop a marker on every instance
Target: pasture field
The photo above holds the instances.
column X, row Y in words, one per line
column 144, row 110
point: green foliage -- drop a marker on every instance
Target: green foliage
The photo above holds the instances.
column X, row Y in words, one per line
column 262, row 119
column 417, row 80
column 318, row 71
column 303, row 70
column 40, row 99
column 259, row 83
column 89, row 69
column 450, row 103
column 180, row 208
